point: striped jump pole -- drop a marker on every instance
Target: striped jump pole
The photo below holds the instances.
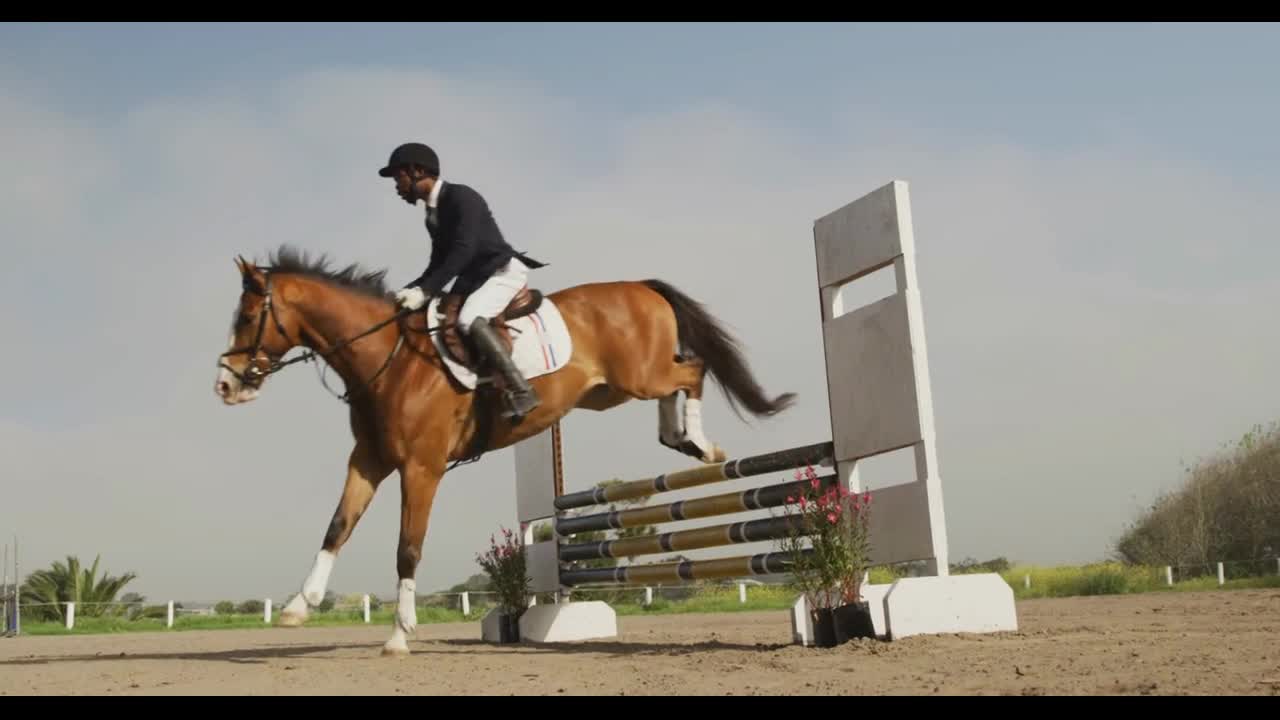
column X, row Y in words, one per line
column 731, row 534
column 685, row 571
column 702, row 475
column 769, row 496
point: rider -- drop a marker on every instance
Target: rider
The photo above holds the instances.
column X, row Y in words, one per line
column 467, row 247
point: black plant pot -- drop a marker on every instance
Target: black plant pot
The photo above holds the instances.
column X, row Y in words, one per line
column 854, row 621
column 836, row 626
column 824, row 628
column 508, row 628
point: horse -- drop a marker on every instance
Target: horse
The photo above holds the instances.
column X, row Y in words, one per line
column 409, row 412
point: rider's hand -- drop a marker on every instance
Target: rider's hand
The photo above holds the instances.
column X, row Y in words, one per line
column 411, row 298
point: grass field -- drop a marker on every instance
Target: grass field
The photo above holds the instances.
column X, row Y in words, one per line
column 1062, row 581
column 1116, row 579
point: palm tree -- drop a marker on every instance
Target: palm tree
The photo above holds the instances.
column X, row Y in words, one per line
column 51, row 589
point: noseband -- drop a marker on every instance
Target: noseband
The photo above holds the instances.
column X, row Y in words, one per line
column 254, row 374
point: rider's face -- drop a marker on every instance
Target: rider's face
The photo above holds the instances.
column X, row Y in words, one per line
column 404, row 186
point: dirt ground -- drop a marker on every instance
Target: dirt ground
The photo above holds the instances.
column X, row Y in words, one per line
column 1200, row 643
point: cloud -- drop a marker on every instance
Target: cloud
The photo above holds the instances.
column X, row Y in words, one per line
column 1093, row 315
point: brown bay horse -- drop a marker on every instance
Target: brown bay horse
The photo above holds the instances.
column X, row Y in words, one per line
column 639, row 340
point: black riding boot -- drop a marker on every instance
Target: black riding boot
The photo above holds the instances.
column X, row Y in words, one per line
column 520, row 395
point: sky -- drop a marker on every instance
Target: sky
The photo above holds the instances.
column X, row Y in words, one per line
column 1095, row 237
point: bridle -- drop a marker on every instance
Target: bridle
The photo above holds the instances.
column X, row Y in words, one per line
column 255, row 374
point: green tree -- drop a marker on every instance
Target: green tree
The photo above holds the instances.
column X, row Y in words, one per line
column 48, row 591
column 1227, row 509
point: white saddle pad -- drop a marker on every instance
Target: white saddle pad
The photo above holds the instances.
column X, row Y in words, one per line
column 541, row 343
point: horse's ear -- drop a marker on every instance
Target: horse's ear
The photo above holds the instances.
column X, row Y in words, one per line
column 249, row 276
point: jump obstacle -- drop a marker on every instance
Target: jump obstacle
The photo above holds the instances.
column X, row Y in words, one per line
column 879, row 399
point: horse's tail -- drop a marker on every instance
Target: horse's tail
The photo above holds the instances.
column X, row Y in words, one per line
column 701, row 334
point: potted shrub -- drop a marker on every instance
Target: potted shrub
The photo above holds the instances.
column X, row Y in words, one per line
column 830, row 549
column 505, row 565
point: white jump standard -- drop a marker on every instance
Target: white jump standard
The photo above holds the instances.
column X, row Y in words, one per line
column 879, row 399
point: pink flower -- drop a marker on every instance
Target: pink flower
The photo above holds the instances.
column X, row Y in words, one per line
column 831, row 518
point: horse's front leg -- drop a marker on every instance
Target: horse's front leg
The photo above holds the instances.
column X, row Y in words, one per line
column 418, row 484
column 364, row 473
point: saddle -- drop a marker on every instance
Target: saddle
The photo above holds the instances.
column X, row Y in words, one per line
column 459, row 346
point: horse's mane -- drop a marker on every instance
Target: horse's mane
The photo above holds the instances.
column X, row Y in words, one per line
column 287, row 259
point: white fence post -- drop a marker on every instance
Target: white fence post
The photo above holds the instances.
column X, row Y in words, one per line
column 466, row 604
column 1026, row 581
column 1221, row 577
column 1168, row 575
column 648, row 596
column 742, row 592
column 266, row 612
column 71, row 615
column 365, row 601
column 169, row 620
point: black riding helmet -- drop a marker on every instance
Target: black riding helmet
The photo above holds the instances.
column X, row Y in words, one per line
column 412, row 153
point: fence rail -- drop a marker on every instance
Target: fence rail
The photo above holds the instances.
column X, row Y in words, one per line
column 472, row 603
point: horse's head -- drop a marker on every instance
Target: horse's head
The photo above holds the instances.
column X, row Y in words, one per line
column 261, row 333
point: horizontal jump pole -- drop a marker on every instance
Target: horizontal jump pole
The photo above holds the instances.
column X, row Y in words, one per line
column 684, row 571
column 757, row 499
column 730, row 534
column 701, row 475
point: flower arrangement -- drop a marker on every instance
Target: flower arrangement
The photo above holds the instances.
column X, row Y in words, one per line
column 505, row 565
column 829, row 572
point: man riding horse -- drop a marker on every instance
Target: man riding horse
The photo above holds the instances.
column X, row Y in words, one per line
column 468, row 248
column 619, row 341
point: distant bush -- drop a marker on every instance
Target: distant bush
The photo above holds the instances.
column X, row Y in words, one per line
column 251, row 607
column 969, row 565
column 1228, row 509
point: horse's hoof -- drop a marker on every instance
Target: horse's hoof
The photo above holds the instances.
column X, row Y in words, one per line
column 394, row 651
column 288, row 619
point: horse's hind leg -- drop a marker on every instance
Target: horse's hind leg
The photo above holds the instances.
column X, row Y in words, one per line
column 670, row 427
column 685, row 434
column 364, row 474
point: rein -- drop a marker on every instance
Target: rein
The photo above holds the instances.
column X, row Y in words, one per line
column 254, row 375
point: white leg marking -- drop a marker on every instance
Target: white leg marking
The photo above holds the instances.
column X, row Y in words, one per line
column 669, row 419
column 406, row 622
column 693, row 428
column 313, row 588
column 318, row 580
column 295, row 613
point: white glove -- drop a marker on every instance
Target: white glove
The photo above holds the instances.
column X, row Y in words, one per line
column 411, row 298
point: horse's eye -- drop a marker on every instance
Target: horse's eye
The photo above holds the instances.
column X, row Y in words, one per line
column 241, row 321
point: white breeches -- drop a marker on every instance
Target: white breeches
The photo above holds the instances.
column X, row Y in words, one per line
column 493, row 296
